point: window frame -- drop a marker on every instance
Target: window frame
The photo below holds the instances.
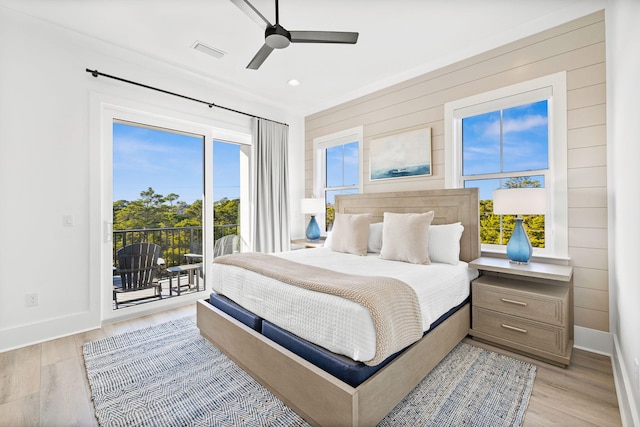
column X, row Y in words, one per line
column 554, row 89
column 320, row 146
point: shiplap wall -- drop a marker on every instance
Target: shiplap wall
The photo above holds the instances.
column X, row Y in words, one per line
column 577, row 47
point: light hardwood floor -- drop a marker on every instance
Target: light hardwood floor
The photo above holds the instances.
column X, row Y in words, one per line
column 46, row 385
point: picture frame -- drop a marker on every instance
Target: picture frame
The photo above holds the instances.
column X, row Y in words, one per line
column 404, row 155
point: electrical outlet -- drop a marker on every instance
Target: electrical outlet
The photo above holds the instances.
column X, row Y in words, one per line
column 31, row 300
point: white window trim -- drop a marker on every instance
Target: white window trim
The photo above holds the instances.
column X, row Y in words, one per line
column 320, row 144
column 556, row 180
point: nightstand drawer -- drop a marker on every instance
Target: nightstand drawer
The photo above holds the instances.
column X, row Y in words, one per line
column 547, row 307
column 536, row 335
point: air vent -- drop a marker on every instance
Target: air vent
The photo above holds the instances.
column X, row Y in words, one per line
column 212, row 51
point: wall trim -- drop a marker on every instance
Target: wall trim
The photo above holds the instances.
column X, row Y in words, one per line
column 47, row 330
column 593, row 340
column 628, row 410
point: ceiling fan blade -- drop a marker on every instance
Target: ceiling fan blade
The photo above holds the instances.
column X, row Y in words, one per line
column 323, row 37
column 257, row 60
column 253, row 13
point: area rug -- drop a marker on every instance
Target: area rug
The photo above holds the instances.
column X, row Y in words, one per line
column 169, row 375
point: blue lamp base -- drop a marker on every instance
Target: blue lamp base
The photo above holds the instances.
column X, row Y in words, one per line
column 313, row 231
column 519, row 248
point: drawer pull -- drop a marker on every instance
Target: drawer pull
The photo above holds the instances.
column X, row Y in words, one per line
column 510, row 301
column 513, row 328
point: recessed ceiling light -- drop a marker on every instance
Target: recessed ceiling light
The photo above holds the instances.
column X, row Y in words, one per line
column 294, row 82
column 212, row 51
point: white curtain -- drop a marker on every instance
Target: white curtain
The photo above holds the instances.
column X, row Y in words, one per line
column 270, row 204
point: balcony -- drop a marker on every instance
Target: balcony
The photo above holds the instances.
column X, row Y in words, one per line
column 180, row 247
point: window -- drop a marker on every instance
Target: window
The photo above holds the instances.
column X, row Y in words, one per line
column 337, row 169
column 513, row 137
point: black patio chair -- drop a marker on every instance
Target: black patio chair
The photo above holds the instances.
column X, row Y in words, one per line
column 137, row 270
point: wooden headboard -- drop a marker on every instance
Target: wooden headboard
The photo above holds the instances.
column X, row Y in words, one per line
column 449, row 206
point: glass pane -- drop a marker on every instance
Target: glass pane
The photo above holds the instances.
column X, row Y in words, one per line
column 536, row 181
column 342, row 165
column 351, row 171
column 226, row 191
column 481, row 144
column 490, row 224
column 525, row 137
column 156, row 161
column 335, row 166
column 157, row 198
column 330, row 198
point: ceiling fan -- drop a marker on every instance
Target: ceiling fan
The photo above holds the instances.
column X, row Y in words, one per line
column 277, row 37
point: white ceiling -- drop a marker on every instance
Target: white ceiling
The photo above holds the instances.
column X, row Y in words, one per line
column 398, row 39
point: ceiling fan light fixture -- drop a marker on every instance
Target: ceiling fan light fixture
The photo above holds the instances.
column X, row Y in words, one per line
column 277, row 37
column 211, row 51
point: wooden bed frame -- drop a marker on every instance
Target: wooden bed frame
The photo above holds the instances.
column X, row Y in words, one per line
column 320, row 398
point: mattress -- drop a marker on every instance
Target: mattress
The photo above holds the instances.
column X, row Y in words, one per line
column 337, row 324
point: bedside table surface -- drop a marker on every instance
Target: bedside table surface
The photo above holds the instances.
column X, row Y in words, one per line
column 304, row 242
column 561, row 273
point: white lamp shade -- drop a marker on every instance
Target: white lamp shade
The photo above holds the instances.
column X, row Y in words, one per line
column 520, row 201
column 312, row 206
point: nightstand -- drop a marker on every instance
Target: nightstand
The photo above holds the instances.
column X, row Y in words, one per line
column 524, row 308
column 307, row 244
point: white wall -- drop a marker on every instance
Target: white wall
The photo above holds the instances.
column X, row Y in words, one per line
column 623, row 36
column 49, row 169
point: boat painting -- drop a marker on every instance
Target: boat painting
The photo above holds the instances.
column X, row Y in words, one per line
column 400, row 156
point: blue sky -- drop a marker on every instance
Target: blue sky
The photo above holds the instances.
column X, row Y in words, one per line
column 169, row 163
column 342, row 168
column 525, row 136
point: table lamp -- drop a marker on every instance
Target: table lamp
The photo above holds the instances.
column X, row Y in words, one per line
column 519, row 201
column 312, row 207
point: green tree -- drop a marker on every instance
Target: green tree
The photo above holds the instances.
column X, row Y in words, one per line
column 330, row 215
column 226, row 212
column 191, row 215
column 521, row 182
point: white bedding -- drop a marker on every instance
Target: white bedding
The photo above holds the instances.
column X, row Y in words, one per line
column 335, row 323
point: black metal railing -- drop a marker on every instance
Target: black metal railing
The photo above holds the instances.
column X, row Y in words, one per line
column 175, row 242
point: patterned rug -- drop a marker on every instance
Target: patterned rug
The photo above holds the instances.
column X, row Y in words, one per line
column 168, row 375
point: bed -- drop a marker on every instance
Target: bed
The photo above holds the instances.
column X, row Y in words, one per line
column 316, row 395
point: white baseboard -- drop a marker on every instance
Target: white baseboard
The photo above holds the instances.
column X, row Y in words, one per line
column 628, row 409
column 592, row 340
column 607, row 344
column 46, row 330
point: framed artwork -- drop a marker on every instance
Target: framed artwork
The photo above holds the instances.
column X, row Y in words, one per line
column 400, row 156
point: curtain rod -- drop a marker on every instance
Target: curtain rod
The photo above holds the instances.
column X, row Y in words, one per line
column 96, row 73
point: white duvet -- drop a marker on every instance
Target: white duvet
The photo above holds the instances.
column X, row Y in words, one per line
column 335, row 323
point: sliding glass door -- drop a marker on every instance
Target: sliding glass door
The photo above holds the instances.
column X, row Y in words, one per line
column 158, row 177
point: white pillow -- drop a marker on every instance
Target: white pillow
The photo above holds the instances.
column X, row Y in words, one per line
column 327, row 241
column 375, row 238
column 444, row 242
column 350, row 233
column 405, row 237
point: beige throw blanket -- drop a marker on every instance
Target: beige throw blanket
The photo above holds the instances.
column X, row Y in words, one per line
column 393, row 305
